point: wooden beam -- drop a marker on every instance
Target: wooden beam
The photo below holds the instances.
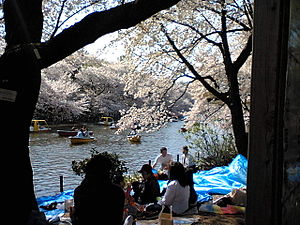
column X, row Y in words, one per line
column 291, row 155
column 266, row 117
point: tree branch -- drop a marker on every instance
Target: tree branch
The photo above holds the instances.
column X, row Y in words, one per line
column 221, row 96
column 246, row 28
column 58, row 19
column 226, row 50
column 97, row 24
column 69, row 17
column 214, row 112
column 181, row 95
column 246, row 52
column 174, row 82
column 203, row 36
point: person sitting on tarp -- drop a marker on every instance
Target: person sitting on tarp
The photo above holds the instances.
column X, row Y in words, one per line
column 148, row 190
column 178, row 191
column 97, row 200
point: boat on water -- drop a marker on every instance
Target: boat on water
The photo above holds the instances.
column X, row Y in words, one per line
column 106, row 121
column 68, row 133
column 81, row 140
column 134, row 138
column 39, row 126
column 114, row 126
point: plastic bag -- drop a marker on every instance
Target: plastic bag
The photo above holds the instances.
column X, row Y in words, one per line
column 165, row 218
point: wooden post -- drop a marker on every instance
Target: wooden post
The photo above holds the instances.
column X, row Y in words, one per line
column 265, row 155
column 291, row 154
column 61, row 183
column 274, row 155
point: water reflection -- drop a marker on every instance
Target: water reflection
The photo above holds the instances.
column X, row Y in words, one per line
column 51, row 155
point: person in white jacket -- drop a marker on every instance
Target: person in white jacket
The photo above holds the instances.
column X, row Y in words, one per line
column 178, row 190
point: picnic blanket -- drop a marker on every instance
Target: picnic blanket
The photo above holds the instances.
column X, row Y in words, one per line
column 219, row 180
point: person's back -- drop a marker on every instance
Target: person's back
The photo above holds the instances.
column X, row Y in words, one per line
column 97, row 200
column 98, row 203
column 178, row 191
column 177, row 196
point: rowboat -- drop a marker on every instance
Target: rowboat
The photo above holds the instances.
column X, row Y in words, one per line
column 106, row 121
column 134, row 138
column 114, row 126
column 81, row 140
column 68, row 133
column 39, row 126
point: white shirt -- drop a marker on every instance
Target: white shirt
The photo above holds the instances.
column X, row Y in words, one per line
column 177, row 197
column 163, row 161
column 187, row 160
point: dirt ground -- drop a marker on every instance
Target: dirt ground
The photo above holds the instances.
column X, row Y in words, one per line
column 202, row 219
column 220, row 220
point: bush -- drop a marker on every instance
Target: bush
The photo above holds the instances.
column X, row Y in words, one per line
column 118, row 166
column 214, row 147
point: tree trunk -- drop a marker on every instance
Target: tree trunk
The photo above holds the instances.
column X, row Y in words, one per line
column 20, row 82
column 238, row 127
column 236, row 110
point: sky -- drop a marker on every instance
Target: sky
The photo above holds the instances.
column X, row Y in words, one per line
column 111, row 53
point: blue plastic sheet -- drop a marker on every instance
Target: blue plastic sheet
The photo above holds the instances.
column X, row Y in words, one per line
column 219, row 180
column 59, row 198
column 47, row 200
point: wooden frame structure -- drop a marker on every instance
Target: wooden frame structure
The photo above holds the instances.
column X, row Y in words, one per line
column 274, row 141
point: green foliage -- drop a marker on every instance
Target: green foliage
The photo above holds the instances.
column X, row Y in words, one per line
column 118, row 166
column 213, row 147
column 130, row 178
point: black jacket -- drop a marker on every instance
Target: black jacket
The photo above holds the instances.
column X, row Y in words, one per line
column 150, row 191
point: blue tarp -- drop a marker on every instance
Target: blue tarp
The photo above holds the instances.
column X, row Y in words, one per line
column 219, row 180
column 59, row 198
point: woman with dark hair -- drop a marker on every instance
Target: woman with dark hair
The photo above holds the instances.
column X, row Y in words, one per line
column 97, row 200
column 178, row 190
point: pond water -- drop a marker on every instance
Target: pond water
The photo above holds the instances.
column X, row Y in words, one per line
column 51, row 155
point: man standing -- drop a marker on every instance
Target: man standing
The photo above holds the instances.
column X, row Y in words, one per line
column 187, row 160
column 189, row 165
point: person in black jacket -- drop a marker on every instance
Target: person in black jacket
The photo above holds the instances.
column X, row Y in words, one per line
column 149, row 188
column 97, row 200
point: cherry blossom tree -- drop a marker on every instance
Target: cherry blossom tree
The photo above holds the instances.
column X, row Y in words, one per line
column 160, row 99
column 82, row 88
column 209, row 43
column 60, row 99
